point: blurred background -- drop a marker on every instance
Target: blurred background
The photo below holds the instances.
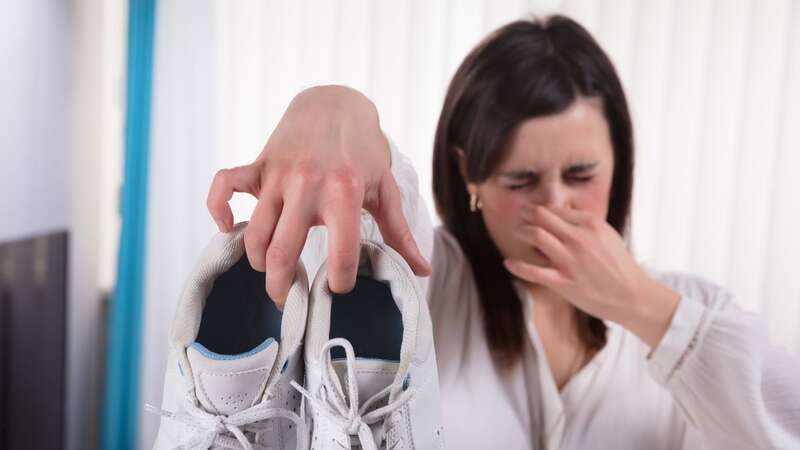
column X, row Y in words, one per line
column 116, row 115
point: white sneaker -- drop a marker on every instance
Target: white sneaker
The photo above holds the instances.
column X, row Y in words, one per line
column 233, row 356
column 374, row 343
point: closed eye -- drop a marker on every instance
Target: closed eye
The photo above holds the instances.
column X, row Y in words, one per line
column 585, row 179
column 572, row 179
column 579, row 173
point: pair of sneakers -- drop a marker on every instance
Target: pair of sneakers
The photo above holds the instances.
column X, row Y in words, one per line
column 330, row 371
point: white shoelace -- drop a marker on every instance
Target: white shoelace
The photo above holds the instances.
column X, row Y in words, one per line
column 347, row 415
column 213, row 431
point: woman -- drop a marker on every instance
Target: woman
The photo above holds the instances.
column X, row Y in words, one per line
column 548, row 333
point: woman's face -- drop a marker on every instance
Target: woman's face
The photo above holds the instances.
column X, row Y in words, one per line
column 563, row 160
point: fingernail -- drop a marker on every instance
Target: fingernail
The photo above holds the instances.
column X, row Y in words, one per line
column 220, row 225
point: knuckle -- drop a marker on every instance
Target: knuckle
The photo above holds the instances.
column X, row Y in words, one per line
column 211, row 204
column 308, row 173
column 538, row 212
column 594, row 223
column 581, row 244
column 408, row 248
column 406, row 238
column 222, row 177
column 345, row 183
column 537, row 234
column 253, row 240
column 344, row 260
column 277, row 257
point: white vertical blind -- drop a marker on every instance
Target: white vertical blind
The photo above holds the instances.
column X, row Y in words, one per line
column 780, row 289
column 758, row 144
column 718, row 139
column 713, row 85
column 647, row 93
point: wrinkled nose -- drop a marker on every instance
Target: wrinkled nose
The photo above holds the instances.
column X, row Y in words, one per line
column 550, row 195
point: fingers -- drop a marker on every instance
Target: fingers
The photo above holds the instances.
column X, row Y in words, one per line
column 343, row 220
column 394, row 228
column 545, row 241
column 258, row 233
column 545, row 276
column 285, row 247
column 544, row 217
column 574, row 216
column 570, row 215
column 226, row 182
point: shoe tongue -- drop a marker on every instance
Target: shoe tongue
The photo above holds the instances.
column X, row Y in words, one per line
column 372, row 376
column 226, row 384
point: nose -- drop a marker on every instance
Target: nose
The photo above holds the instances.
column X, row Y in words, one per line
column 551, row 194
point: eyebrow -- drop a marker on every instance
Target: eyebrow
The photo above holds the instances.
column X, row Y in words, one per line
column 528, row 173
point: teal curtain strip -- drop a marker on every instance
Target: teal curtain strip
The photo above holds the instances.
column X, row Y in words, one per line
column 121, row 402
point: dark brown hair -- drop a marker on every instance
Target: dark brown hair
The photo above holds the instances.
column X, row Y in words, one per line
column 526, row 69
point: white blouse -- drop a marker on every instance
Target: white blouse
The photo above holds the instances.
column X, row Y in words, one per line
column 713, row 382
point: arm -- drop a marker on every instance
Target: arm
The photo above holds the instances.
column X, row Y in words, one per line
column 714, row 359
column 728, row 380
column 325, row 161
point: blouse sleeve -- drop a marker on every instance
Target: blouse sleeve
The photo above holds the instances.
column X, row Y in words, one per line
column 315, row 250
column 730, row 382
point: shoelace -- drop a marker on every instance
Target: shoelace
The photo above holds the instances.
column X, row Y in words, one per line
column 343, row 410
column 212, row 429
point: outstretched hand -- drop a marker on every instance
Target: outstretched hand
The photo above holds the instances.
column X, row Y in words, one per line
column 326, row 160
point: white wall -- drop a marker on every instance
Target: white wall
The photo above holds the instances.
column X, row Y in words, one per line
column 35, row 146
column 60, row 146
column 99, row 45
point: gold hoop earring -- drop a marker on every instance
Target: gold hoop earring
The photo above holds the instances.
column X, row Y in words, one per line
column 474, row 202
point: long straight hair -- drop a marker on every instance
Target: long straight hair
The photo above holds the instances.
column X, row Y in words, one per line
column 526, row 69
